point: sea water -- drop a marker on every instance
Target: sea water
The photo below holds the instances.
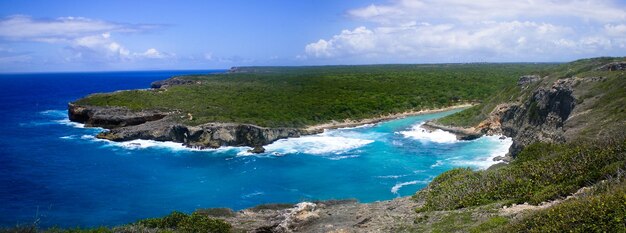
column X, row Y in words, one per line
column 55, row 172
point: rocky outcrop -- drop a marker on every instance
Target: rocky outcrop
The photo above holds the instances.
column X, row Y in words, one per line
column 171, row 82
column 112, row 117
column 539, row 118
column 126, row 125
column 613, row 66
column 328, row 216
column 528, row 79
column 461, row 133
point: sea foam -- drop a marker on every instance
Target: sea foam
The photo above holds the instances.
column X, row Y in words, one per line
column 436, row 136
column 329, row 143
column 398, row 186
column 497, row 147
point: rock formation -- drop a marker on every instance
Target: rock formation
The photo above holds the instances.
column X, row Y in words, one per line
column 126, row 125
column 171, row 82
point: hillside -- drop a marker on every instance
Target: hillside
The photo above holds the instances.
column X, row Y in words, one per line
column 254, row 106
column 301, row 96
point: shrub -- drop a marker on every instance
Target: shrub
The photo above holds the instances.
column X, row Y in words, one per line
column 605, row 212
column 541, row 172
column 195, row 222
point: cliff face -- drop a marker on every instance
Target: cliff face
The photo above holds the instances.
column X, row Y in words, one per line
column 563, row 110
column 539, row 118
column 126, row 125
column 112, row 117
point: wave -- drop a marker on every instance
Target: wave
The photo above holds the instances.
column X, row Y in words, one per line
column 71, row 123
column 391, row 176
column 54, row 113
column 316, row 144
column 249, row 195
column 437, row 164
column 398, row 186
column 436, row 136
column 140, row 144
column 343, row 157
column 499, row 147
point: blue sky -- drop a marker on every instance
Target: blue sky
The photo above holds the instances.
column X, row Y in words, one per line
column 39, row 36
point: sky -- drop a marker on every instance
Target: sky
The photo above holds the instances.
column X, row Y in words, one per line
column 56, row 36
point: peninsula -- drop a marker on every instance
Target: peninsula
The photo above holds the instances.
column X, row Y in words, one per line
column 565, row 168
column 254, row 106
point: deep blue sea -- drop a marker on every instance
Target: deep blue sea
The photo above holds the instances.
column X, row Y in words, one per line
column 54, row 172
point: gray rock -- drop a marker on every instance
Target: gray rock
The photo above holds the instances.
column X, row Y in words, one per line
column 126, row 125
column 613, row 66
column 112, row 117
column 539, row 118
column 527, row 79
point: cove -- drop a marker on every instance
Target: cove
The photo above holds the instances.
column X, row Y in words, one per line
column 57, row 173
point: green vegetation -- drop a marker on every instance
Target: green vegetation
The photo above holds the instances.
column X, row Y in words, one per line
column 300, row 96
column 490, row 225
column 197, row 222
column 540, row 173
column 604, row 212
column 181, row 222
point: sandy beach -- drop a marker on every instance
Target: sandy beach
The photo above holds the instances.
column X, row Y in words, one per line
column 354, row 123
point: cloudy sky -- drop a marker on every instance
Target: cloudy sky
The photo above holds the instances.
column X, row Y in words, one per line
column 40, row 36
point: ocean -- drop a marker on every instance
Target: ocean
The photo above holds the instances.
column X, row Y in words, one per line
column 56, row 173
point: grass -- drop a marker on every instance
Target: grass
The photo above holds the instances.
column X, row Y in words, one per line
column 300, row 96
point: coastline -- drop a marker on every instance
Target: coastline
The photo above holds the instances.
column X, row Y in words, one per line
column 355, row 123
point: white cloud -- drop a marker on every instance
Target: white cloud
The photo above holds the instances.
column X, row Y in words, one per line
column 22, row 27
column 85, row 39
column 436, row 30
column 152, row 53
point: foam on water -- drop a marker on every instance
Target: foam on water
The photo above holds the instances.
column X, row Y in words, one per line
column 54, row 113
column 398, row 186
column 392, row 176
column 498, row 147
column 140, row 144
column 436, row 136
column 324, row 143
column 70, row 123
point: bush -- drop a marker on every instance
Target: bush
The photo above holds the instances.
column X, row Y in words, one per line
column 195, row 222
column 594, row 213
column 541, row 172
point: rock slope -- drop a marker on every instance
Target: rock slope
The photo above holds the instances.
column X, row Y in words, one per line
column 547, row 111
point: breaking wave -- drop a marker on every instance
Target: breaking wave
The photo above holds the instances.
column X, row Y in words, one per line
column 436, row 136
column 398, row 186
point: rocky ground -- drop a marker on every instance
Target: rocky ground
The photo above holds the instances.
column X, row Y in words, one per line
column 329, row 216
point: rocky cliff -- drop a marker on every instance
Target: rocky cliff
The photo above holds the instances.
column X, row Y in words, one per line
column 556, row 110
column 126, row 125
column 538, row 118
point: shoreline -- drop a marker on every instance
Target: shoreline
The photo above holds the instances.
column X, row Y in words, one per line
column 355, row 123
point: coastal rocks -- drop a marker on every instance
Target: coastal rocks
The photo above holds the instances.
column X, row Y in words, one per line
column 540, row 118
column 613, row 66
column 329, row 216
column 214, row 135
column 126, row 125
column 493, row 124
column 112, row 117
column 461, row 133
column 300, row 214
column 170, row 82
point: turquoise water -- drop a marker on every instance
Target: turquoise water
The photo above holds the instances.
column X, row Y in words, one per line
column 55, row 172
